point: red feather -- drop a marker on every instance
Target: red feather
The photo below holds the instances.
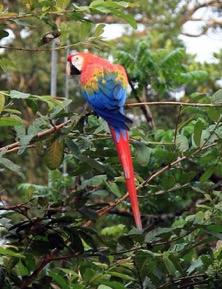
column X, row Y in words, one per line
column 123, row 150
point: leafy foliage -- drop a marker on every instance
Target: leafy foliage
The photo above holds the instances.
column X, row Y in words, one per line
column 74, row 229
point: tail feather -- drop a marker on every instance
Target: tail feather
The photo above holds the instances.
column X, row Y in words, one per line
column 123, row 150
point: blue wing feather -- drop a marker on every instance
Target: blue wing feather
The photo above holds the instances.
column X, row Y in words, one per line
column 108, row 101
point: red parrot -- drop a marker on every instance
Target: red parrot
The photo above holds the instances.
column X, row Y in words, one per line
column 104, row 85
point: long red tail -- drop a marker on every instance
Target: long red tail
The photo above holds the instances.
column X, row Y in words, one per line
column 123, row 150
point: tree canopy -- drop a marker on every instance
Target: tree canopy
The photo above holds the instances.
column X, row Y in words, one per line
column 65, row 217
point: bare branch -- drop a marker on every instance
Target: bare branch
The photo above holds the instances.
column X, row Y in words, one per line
column 175, row 103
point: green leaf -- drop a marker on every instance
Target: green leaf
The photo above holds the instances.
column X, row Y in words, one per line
column 120, row 275
column 79, row 286
column 196, row 264
column 78, row 155
column 182, row 143
column 89, row 214
column 99, row 278
column 87, row 239
column 81, row 8
column 23, row 271
column 32, row 104
column 101, row 9
column 154, row 234
column 215, row 228
column 2, row 102
column 142, row 153
column 10, row 121
column 9, row 252
column 85, row 29
column 88, row 274
column 104, row 287
column 3, row 34
column 198, row 128
column 54, row 155
column 213, row 113
column 114, row 189
column 96, row 3
column 113, row 8
column 169, row 264
column 168, row 182
column 68, row 271
column 126, row 242
column 114, row 284
column 59, row 280
column 207, row 174
column 109, row 4
column 196, row 96
column 127, row 17
column 21, row 22
column 62, row 3
column 76, row 243
column 175, row 259
column 5, row 63
column 18, row 94
column 191, row 76
column 11, row 166
column 174, row 56
column 25, row 187
column 99, row 30
column 115, row 230
column 95, row 181
column 12, row 111
column 217, row 96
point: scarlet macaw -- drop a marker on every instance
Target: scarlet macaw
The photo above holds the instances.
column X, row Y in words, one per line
column 104, row 85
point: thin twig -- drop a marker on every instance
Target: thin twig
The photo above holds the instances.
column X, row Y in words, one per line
column 177, row 124
column 144, row 108
column 181, row 279
column 172, row 164
column 107, row 209
column 15, row 145
column 174, row 103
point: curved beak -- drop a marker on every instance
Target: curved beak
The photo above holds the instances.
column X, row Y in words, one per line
column 71, row 69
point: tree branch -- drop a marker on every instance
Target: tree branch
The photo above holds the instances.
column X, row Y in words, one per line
column 172, row 164
column 174, row 103
column 15, row 146
column 182, row 279
column 146, row 111
column 48, row 258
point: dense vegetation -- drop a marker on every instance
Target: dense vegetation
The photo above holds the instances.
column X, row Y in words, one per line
column 65, row 217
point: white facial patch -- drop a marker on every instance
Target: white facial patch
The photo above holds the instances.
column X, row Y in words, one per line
column 77, row 61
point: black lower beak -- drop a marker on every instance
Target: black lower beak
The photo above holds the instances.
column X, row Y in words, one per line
column 74, row 70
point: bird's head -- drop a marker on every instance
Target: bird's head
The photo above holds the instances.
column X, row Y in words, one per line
column 75, row 64
column 78, row 61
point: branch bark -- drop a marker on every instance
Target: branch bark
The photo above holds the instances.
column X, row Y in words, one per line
column 15, row 146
